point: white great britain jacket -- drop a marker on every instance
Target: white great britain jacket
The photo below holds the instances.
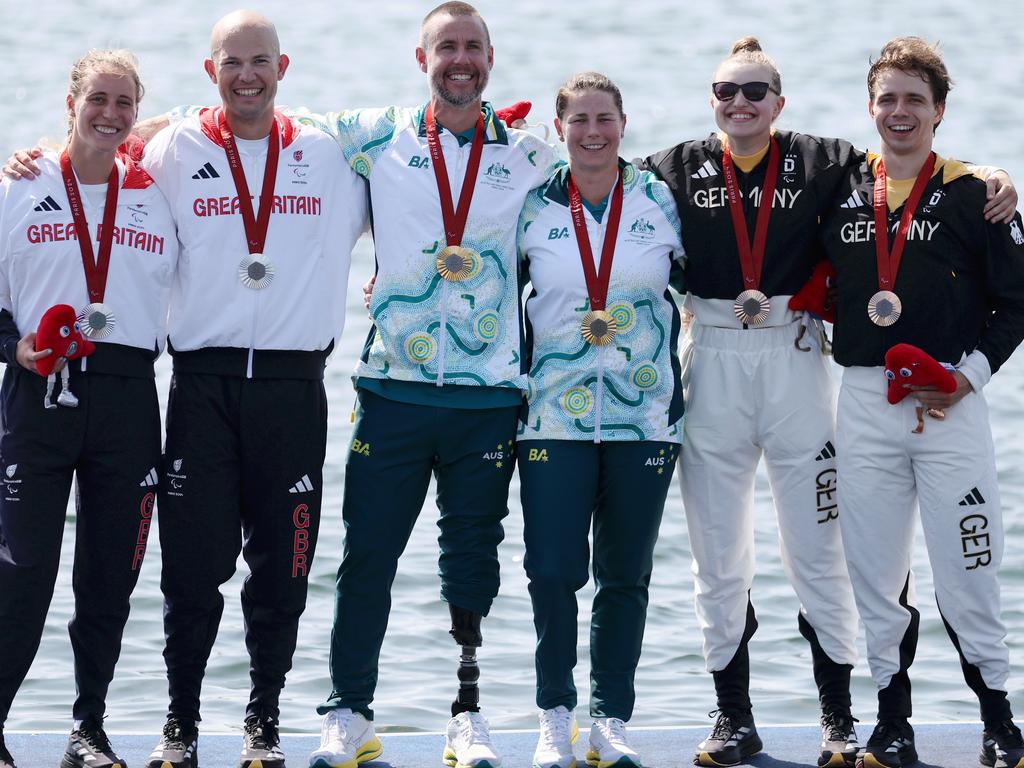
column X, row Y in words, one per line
column 319, row 212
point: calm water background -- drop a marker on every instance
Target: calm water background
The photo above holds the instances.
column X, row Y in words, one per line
column 662, row 54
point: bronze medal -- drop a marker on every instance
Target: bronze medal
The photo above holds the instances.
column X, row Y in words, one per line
column 598, row 327
column 751, row 307
column 884, row 308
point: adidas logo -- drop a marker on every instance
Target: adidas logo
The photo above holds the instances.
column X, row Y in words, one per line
column 303, row 486
column 828, row 452
column 150, row 480
column 206, row 172
column 972, row 499
column 47, row 204
column 854, row 201
column 706, row 171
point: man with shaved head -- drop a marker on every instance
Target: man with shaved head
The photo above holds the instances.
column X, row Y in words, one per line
column 267, row 213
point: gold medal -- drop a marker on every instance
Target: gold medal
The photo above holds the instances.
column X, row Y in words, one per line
column 751, row 307
column 256, row 271
column 97, row 321
column 598, row 327
column 456, row 263
column 884, row 308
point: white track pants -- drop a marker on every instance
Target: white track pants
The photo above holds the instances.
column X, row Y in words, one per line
column 750, row 392
column 949, row 472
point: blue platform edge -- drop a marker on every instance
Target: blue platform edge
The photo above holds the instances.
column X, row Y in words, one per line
column 940, row 745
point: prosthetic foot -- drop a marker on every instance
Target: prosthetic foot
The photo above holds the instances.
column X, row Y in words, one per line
column 466, row 632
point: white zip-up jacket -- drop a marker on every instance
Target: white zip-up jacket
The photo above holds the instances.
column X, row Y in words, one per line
column 41, row 264
column 427, row 329
column 630, row 388
column 217, row 324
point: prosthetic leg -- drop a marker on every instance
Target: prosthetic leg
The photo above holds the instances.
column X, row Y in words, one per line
column 466, row 632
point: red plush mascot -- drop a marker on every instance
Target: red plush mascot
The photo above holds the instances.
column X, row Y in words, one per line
column 814, row 296
column 814, row 299
column 908, row 366
column 517, row 111
column 59, row 331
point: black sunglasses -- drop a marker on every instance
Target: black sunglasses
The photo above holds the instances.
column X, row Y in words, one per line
column 726, row 91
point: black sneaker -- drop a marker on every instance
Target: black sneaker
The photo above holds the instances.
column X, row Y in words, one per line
column 732, row 738
column 839, row 746
column 891, row 745
column 6, row 761
column 1001, row 746
column 89, row 747
column 178, row 746
column 260, row 744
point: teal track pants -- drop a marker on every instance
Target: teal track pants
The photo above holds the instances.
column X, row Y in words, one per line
column 621, row 487
column 395, row 448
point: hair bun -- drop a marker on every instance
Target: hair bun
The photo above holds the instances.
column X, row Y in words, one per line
column 748, row 44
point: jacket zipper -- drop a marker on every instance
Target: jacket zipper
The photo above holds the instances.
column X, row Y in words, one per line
column 455, row 182
column 598, row 248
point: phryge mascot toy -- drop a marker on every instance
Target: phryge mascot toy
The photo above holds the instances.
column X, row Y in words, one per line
column 815, row 300
column 59, row 331
column 907, row 366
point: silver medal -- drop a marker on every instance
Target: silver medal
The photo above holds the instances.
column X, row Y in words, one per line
column 256, row 271
column 97, row 320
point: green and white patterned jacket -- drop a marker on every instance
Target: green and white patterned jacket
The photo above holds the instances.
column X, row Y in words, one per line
column 427, row 329
column 626, row 390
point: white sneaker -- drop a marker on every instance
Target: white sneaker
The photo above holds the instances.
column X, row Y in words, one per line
column 467, row 743
column 558, row 732
column 608, row 745
column 346, row 739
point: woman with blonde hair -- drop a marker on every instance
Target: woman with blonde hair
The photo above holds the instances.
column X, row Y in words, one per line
column 92, row 232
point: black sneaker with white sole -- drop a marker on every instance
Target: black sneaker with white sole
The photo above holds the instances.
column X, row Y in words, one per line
column 1002, row 746
column 732, row 739
column 260, row 744
column 839, row 745
column 178, row 746
column 891, row 745
column 89, row 747
column 6, row 761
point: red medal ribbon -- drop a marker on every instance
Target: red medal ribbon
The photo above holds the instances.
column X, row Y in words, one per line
column 889, row 264
column 751, row 260
column 255, row 229
column 597, row 284
column 454, row 221
column 95, row 269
